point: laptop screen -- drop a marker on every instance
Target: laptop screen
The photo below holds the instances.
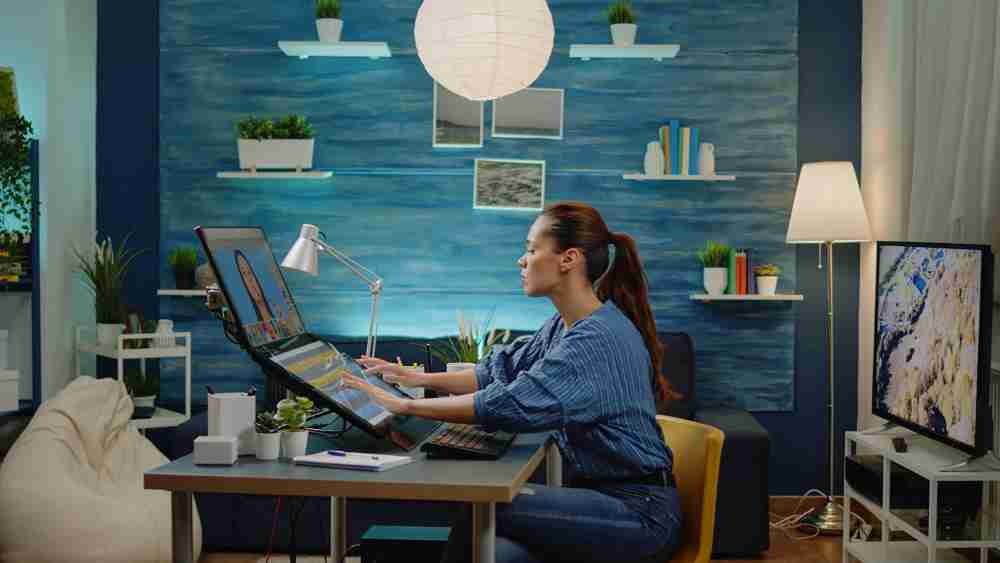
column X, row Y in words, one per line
column 254, row 286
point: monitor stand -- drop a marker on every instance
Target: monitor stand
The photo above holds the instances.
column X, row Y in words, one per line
column 983, row 462
column 885, row 428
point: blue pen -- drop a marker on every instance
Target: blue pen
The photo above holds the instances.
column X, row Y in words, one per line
column 341, row 453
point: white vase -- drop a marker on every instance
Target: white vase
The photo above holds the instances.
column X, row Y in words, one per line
column 623, row 34
column 329, row 29
column 767, row 285
column 108, row 333
column 268, row 445
column 653, row 162
column 293, row 443
column 715, row 280
column 165, row 328
column 294, row 154
column 706, row 159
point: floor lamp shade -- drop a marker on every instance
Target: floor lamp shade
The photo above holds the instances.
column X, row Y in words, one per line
column 484, row 49
column 828, row 205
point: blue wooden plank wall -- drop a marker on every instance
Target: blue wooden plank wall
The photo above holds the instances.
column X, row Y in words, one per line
column 405, row 211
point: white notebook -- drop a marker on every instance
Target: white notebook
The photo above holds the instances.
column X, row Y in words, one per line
column 353, row 460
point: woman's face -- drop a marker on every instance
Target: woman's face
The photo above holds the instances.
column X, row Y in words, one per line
column 539, row 264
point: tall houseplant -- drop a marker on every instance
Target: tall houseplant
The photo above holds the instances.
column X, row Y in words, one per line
column 103, row 270
column 285, row 143
column 473, row 342
column 328, row 22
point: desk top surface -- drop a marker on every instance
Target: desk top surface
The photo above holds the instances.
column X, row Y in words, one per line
column 421, row 479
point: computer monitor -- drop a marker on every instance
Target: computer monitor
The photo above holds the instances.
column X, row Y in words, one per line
column 932, row 341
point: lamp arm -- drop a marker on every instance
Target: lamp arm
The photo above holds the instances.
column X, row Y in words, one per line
column 370, row 278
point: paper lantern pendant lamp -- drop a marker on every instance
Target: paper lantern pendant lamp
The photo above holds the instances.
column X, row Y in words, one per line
column 484, row 49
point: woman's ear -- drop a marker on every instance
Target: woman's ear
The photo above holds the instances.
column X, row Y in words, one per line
column 570, row 259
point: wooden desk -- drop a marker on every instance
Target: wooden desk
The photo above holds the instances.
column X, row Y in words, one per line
column 480, row 483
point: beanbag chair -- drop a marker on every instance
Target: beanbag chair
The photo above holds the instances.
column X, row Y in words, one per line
column 71, row 486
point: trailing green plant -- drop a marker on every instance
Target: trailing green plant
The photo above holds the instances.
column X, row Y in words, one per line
column 15, row 173
column 767, row 270
column 473, row 342
column 289, row 127
column 621, row 12
column 103, row 270
column 714, row 255
column 328, row 9
column 183, row 259
column 293, row 413
column 267, row 423
column 140, row 385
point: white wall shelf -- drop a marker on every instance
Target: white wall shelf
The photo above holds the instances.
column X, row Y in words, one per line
column 748, row 297
column 181, row 292
column 306, row 49
column 639, row 177
column 276, row 175
column 608, row 51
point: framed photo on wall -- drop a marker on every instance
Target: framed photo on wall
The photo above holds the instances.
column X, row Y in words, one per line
column 8, row 91
column 517, row 185
column 532, row 113
column 458, row 122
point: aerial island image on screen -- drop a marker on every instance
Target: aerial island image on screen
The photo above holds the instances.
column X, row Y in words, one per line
column 927, row 351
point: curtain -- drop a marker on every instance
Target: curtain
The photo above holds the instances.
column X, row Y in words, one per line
column 930, row 122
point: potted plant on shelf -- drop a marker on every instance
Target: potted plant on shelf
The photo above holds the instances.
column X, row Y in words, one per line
column 283, row 144
column 267, row 427
column 328, row 22
column 472, row 344
column 622, row 21
column 767, row 278
column 103, row 270
column 292, row 413
column 714, row 258
column 142, row 387
column 183, row 261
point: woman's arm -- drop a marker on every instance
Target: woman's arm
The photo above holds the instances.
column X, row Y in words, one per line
column 458, row 408
column 453, row 382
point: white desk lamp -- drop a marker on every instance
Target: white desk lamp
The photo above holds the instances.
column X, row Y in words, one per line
column 828, row 208
column 303, row 257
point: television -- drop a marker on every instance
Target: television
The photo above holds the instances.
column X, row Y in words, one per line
column 933, row 328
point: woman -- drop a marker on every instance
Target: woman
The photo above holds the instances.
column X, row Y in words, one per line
column 590, row 373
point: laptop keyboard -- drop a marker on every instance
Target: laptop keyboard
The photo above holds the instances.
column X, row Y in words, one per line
column 465, row 441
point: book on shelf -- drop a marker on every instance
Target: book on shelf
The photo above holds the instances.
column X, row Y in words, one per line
column 693, row 164
column 731, row 273
column 751, row 280
column 741, row 272
column 665, row 145
column 675, row 141
column 685, row 150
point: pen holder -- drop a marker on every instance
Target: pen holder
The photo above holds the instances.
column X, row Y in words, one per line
column 232, row 414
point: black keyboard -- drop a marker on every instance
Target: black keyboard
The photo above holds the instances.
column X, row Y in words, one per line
column 464, row 441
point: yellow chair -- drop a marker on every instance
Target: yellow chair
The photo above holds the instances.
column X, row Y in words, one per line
column 697, row 450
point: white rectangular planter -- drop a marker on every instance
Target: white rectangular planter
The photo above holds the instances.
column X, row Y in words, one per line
column 8, row 390
column 271, row 154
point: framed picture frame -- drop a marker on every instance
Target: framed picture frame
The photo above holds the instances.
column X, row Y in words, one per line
column 509, row 184
column 457, row 122
column 532, row 113
column 8, row 91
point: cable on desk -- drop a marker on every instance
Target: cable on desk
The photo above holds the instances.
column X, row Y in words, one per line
column 274, row 527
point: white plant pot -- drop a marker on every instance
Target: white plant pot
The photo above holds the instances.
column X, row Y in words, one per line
column 623, row 34
column 295, row 154
column 329, row 29
column 268, row 445
column 146, row 401
column 108, row 333
column 767, row 285
column 715, row 280
column 459, row 366
column 293, row 444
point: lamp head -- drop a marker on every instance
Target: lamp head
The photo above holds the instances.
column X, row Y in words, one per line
column 828, row 205
column 303, row 255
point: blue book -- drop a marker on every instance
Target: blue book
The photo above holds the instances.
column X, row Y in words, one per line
column 751, row 278
column 693, row 168
column 675, row 146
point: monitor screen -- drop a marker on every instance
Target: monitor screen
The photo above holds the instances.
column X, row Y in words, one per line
column 254, row 286
column 929, row 344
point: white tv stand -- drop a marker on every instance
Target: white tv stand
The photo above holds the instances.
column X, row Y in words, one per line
column 929, row 459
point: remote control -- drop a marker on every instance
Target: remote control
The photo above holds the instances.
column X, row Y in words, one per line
column 899, row 444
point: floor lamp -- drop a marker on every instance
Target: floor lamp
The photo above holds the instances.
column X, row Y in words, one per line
column 828, row 209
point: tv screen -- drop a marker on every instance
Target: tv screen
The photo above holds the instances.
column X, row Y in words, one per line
column 932, row 338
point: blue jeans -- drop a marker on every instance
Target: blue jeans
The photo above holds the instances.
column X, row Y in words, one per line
column 614, row 523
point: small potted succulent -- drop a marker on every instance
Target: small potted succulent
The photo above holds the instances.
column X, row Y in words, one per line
column 285, row 143
column 328, row 22
column 767, row 278
column 714, row 259
column 621, row 18
column 293, row 414
column 267, row 427
column 183, row 261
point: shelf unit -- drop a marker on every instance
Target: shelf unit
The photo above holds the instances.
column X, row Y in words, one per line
column 640, row 177
column 181, row 292
column 86, row 342
column 748, row 297
column 306, row 49
column 926, row 458
column 609, row 51
column 275, row 175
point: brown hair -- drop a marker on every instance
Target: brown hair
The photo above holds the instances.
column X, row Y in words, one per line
column 578, row 225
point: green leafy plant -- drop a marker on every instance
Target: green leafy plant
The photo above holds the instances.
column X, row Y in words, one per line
column 140, row 385
column 183, row 259
column 328, row 9
column 267, row 423
column 293, row 413
column 288, row 127
column 621, row 12
column 473, row 342
column 104, row 269
column 767, row 270
column 252, row 127
column 15, row 173
column 714, row 255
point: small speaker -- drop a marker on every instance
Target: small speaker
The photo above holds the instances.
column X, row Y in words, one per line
column 215, row 450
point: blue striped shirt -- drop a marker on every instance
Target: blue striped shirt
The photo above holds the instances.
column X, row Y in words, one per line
column 590, row 383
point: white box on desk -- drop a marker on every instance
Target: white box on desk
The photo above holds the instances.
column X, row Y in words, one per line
column 232, row 414
column 215, row 450
column 8, row 390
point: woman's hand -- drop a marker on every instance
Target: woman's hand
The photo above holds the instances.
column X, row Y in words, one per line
column 388, row 401
column 393, row 373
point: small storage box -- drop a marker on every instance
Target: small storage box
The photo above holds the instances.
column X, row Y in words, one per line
column 215, row 450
